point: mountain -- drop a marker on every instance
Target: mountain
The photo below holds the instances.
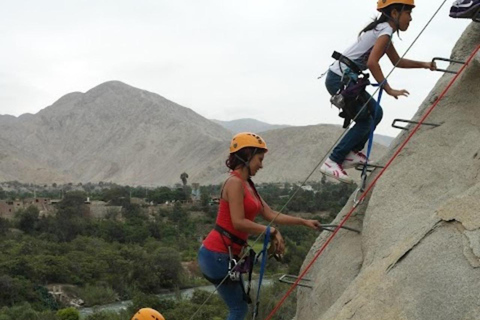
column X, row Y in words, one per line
column 252, row 125
column 248, row 125
column 418, row 253
column 118, row 133
column 383, row 140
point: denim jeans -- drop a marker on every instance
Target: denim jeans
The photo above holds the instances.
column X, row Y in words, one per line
column 357, row 136
column 214, row 265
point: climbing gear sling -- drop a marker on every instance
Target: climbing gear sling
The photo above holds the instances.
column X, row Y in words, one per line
column 351, row 93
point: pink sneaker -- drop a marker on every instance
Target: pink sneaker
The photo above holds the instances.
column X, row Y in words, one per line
column 354, row 158
column 335, row 170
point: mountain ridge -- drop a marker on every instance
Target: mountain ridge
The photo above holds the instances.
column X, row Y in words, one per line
column 116, row 132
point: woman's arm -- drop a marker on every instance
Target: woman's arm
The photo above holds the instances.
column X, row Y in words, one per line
column 406, row 63
column 284, row 219
column 383, row 44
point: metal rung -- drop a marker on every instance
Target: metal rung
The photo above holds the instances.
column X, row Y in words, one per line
column 370, row 167
column 285, row 278
column 412, row 122
column 447, row 60
column 332, row 227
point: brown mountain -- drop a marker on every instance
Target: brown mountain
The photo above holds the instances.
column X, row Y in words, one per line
column 115, row 132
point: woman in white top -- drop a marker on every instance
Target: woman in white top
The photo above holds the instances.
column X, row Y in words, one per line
column 373, row 42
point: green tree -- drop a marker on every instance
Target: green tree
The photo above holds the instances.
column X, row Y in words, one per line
column 68, row 314
column 27, row 219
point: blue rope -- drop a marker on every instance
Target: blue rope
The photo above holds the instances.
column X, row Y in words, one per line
column 370, row 137
column 262, row 271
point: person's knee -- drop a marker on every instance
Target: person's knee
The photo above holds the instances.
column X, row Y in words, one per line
column 378, row 115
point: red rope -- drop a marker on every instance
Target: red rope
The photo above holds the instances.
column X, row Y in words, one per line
column 322, row 249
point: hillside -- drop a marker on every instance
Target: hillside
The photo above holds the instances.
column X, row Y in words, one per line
column 118, row 133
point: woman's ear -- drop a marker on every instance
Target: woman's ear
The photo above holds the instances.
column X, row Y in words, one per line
column 395, row 14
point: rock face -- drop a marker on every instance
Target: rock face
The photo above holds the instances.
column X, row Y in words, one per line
column 118, row 133
column 418, row 256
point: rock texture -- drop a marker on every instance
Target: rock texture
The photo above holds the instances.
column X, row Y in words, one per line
column 418, row 256
column 118, row 133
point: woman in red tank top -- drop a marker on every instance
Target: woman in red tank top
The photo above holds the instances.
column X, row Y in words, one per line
column 240, row 203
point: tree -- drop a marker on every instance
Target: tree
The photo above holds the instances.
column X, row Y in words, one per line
column 27, row 219
column 184, row 177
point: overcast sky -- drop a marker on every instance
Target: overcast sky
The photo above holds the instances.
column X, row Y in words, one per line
column 224, row 59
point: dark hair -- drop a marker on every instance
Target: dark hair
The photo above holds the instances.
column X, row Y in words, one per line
column 386, row 16
column 246, row 154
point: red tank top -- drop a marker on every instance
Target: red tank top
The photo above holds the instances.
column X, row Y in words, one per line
column 251, row 206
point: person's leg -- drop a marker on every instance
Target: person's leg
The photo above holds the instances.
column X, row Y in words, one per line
column 378, row 118
column 353, row 138
column 233, row 295
column 214, row 266
column 333, row 82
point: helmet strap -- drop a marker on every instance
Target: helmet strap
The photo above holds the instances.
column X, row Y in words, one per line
column 247, row 163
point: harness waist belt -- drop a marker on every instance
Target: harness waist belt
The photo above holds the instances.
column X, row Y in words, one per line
column 230, row 236
column 349, row 63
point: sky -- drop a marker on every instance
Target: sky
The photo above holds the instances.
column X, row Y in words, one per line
column 224, row 59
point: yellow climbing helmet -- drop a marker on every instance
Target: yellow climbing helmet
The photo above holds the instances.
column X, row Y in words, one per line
column 148, row 314
column 382, row 4
column 246, row 140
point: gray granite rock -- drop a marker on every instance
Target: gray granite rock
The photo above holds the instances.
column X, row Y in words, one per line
column 418, row 256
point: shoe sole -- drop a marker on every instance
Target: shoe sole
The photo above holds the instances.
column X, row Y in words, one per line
column 469, row 14
column 337, row 178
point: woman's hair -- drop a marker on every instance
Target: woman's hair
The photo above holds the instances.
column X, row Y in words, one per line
column 245, row 154
column 386, row 16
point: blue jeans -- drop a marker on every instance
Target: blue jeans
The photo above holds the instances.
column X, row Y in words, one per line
column 214, row 266
column 357, row 136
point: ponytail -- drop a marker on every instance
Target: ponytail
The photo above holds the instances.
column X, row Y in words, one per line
column 373, row 25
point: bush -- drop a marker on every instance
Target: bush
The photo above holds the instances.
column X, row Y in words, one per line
column 68, row 314
column 97, row 295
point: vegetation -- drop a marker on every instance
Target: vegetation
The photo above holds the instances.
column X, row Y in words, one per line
column 134, row 255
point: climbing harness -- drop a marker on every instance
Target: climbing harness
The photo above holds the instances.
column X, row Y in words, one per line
column 373, row 183
column 351, row 92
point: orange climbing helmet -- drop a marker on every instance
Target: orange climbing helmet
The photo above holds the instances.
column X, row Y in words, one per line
column 148, row 314
column 382, row 4
column 247, row 140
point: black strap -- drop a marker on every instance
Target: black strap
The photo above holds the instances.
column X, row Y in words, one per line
column 230, row 236
column 349, row 63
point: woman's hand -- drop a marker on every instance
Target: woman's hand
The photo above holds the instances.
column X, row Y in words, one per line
column 313, row 224
column 430, row 65
column 277, row 242
column 397, row 93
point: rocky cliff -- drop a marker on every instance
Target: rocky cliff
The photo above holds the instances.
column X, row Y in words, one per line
column 418, row 255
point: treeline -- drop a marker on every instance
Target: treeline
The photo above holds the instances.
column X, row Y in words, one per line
column 134, row 255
